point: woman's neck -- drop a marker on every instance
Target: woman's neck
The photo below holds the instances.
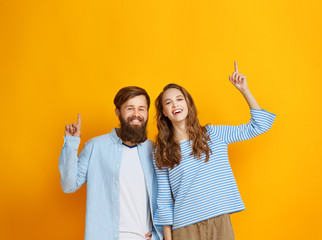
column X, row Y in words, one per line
column 180, row 131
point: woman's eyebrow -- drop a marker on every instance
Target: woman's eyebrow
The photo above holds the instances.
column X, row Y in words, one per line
column 176, row 97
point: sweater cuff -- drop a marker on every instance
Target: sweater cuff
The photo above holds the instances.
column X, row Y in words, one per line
column 261, row 111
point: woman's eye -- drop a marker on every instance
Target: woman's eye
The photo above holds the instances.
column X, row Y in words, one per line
column 167, row 103
column 180, row 99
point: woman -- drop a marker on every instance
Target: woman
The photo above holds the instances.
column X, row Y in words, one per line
column 196, row 187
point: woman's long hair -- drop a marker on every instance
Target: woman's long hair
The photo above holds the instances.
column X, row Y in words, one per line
column 167, row 150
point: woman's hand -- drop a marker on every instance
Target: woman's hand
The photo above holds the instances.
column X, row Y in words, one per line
column 238, row 80
column 74, row 129
column 240, row 83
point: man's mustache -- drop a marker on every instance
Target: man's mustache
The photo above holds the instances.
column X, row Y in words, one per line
column 141, row 119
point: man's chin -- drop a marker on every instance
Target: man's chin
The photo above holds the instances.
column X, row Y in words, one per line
column 135, row 125
column 135, row 133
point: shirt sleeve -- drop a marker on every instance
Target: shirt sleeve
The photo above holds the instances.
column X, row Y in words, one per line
column 164, row 212
column 73, row 169
column 260, row 122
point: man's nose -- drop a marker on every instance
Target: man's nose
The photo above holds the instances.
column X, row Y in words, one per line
column 136, row 112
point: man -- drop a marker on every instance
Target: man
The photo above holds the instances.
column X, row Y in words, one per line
column 118, row 169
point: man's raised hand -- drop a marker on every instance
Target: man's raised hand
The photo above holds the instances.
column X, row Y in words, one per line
column 74, row 129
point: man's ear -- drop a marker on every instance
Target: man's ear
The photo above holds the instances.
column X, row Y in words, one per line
column 117, row 112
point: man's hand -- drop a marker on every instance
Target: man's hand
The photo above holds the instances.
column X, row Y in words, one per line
column 148, row 235
column 74, row 129
column 238, row 80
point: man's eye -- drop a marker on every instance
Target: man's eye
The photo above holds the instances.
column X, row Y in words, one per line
column 141, row 109
column 129, row 108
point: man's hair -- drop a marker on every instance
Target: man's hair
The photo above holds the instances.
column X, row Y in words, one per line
column 127, row 93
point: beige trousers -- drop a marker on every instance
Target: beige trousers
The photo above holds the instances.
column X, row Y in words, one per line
column 217, row 228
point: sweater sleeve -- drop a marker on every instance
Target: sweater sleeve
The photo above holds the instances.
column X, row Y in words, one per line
column 73, row 169
column 164, row 212
column 260, row 122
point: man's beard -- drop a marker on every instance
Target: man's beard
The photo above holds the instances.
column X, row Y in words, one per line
column 134, row 134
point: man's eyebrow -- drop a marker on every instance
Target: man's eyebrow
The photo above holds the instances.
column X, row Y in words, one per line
column 133, row 106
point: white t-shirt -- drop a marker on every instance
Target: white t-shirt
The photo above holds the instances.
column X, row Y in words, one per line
column 135, row 219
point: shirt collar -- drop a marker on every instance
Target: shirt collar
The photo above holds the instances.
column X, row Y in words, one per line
column 114, row 136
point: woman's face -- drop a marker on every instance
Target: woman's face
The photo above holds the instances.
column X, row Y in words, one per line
column 174, row 105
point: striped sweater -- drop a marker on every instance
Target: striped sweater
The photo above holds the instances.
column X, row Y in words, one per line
column 203, row 190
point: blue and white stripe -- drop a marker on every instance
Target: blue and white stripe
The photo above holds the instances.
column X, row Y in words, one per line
column 203, row 190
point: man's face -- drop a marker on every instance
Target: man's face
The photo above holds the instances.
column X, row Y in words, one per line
column 133, row 116
column 134, row 111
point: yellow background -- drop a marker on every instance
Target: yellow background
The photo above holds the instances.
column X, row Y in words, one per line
column 59, row 58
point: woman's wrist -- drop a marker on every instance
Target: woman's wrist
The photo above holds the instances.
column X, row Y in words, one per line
column 245, row 91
